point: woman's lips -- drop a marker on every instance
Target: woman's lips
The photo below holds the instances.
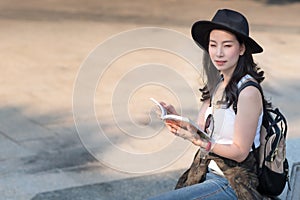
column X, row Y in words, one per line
column 220, row 62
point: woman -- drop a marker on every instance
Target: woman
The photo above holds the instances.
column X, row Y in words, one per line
column 228, row 171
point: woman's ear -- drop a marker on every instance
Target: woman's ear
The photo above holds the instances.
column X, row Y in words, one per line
column 242, row 49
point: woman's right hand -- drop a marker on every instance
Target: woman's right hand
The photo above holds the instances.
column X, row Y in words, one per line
column 173, row 127
column 170, row 108
column 179, row 129
column 187, row 133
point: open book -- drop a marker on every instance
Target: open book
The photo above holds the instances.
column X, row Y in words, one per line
column 181, row 121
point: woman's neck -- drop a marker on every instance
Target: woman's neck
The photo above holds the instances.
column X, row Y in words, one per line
column 226, row 79
column 227, row 75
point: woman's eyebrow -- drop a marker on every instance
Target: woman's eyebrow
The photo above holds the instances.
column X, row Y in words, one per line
column 225, row 41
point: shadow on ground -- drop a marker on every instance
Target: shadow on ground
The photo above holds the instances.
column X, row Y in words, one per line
column 131, row 189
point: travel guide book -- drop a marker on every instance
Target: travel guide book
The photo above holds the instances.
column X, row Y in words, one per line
column 180, row 120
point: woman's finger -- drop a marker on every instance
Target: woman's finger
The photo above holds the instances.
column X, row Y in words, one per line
column 170, row 108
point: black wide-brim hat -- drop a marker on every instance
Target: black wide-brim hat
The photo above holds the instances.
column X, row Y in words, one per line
column 228, row 20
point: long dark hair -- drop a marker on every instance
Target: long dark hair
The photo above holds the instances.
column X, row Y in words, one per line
column 245, row 65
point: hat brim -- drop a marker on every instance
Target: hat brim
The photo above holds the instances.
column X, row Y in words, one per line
column 201, row 30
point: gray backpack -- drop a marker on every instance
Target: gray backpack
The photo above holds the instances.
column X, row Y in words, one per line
column 273, row 168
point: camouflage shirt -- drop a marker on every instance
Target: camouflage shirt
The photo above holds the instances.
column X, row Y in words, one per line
column 242, row 177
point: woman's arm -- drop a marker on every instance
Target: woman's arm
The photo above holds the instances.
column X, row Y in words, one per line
column 249, row 108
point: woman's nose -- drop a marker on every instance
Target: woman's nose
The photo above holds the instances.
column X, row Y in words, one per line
column 220, row 52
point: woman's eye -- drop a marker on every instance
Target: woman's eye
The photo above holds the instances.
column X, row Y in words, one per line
column 212, row 45
column 228, row 45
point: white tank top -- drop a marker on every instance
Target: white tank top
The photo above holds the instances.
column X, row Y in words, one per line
column 224, row 119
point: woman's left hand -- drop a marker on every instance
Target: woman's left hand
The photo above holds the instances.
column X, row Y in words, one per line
column 188, row 134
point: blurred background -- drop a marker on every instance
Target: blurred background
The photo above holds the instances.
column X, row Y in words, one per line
column 44, row 43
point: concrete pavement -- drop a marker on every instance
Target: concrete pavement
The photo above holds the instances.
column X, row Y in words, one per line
column 42, row 47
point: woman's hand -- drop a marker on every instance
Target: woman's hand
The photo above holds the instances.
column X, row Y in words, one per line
column 170, row 108
column 186, row 132
column 173, row 126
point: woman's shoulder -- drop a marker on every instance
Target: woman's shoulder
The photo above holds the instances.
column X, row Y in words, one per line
column 250, row 96
column 250, row 93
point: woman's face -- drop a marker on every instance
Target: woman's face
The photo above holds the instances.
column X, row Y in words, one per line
column 224, row 50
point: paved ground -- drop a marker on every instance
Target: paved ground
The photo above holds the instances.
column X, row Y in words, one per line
column 43, row 44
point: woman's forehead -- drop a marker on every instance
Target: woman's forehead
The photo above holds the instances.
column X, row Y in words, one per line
column 222, row 34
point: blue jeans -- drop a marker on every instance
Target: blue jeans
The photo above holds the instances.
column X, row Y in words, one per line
column 214, row 187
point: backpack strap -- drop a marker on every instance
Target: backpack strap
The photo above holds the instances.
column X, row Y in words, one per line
column 273, row 128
